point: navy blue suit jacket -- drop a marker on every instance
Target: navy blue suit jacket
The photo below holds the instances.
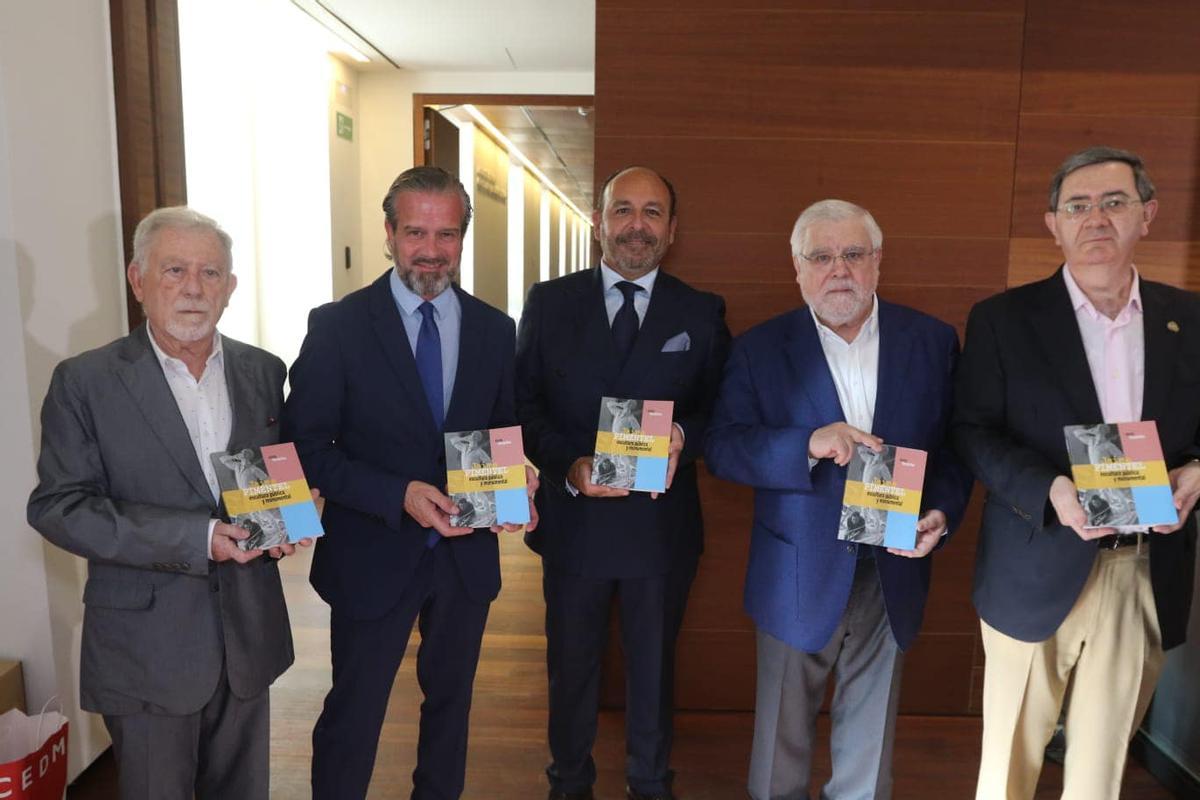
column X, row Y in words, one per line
column 363, row 430
column 1024, row 375
column 567, row 361
column 777, row 390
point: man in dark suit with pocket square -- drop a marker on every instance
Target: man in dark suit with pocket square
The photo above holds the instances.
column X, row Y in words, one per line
column 623, row 329
column 382, row 374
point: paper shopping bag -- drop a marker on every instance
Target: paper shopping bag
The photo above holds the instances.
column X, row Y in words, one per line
column 33, row 755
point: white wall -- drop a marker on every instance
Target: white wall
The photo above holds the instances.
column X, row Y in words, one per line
column 386, row 111
column 61, row 292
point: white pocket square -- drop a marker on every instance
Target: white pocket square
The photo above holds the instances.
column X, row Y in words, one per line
column 677, row 343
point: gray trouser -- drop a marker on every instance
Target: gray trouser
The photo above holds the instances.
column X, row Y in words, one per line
column 866, row 662
column 221, row 752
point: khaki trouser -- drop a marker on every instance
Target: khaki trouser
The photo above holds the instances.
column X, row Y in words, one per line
column 1110, row 642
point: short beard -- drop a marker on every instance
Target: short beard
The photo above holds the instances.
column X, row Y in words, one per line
column 629, row 264
column 841, row 309
column 189, row 333
column 429, row 284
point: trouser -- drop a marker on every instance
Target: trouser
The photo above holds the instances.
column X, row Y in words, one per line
column 1109, row 646
column 577, row 611
column 866, row 664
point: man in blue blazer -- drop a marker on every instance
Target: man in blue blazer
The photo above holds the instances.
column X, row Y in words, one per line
column 801, row 391
column 381, row 375
column 625, row 329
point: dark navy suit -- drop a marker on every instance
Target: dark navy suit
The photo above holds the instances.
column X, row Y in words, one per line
column 777, row 391
column 364, row 431
column 643, row 551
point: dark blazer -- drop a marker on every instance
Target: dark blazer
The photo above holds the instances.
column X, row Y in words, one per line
column 1023, row 377
column 777, row 390
column 363, row 430
column 119, row 484
column 567, row 361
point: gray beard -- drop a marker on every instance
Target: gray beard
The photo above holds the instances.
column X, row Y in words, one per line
column 427, row 285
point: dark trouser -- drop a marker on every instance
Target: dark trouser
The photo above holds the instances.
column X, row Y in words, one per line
column 221, row 751
column 577, row 612
column 366, row 655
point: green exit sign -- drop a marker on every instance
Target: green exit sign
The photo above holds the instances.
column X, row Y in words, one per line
column 345, row 127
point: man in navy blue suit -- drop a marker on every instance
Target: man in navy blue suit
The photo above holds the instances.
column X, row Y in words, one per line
column 624, row 329
column 381, row 375
column 801, row 392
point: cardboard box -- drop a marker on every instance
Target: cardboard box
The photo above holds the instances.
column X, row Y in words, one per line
column 12, row 686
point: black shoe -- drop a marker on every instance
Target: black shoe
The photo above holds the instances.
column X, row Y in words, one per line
column 633, row 795
column 556, row 794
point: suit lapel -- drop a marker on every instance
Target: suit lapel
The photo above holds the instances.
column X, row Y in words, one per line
column 895, row 352
column 393, row 340
column 811, row 369
column 1052, row 317
column 1161, row 346
column 660, row 322
column 470, row 355
column 241, row 397
column 143, row 378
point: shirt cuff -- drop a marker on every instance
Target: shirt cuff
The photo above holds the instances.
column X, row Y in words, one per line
column 812, row 462
column 571, row 490
column 682, row 435
column 212, row 525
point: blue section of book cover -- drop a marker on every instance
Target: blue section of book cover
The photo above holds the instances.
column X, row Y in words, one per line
column 901, row 531
column 301, row 520
column 512, row 506
column 651, row 474
column 1154, row 505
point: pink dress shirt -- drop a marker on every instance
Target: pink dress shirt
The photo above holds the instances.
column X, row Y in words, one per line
column 1115, row 351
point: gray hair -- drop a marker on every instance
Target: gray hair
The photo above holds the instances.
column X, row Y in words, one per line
column 426, row 179
column 176, row 218
column 833, row 211
column 1101, row 155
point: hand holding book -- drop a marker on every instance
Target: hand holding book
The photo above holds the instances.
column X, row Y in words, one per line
column 1185, row 490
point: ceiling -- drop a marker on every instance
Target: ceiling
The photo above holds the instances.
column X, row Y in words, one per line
column 557, row 139
column 467, row 35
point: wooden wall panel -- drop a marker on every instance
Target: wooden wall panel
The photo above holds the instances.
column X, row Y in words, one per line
column 946, row 120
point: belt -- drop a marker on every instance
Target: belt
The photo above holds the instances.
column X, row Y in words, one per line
column 1115, row 541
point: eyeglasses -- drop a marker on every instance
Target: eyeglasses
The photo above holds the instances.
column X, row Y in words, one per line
column 1109, row 207
column 852, row 258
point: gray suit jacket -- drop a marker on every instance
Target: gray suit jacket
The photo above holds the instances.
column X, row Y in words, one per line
column 120, row 485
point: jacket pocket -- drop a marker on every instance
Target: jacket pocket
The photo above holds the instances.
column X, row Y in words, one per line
column 102, row 593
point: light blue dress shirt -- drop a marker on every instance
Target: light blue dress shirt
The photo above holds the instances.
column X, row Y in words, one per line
column 447, row 313
column 613, row 299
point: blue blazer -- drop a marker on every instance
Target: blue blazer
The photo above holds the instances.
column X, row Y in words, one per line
column 777, row 390
column 362, row 427
column 1023, row 376
column 567, row 361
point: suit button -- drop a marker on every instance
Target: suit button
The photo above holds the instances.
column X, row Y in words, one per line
column 185, row 566
column 850, row 548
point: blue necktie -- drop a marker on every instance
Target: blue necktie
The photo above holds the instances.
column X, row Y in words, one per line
column 429, row 367
column 625, row 321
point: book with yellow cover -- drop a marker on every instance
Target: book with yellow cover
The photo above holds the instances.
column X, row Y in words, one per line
column 632, row 439
column 1120, row 475
column 882, row 501
column 485, row 477
column 265, row 492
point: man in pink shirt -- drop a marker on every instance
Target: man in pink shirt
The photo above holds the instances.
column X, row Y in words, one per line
column 1060, row 602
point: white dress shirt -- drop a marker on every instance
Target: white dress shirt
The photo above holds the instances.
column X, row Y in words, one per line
column 205, row 408
column 855, row 369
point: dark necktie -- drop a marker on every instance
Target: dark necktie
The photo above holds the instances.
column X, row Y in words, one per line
column 429, row 367
column 429, row 363
column 625, row 322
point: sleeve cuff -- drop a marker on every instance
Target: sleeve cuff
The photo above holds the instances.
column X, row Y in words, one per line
column 212, row 526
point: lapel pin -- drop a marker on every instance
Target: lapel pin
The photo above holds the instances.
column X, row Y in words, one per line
column 1173, row 326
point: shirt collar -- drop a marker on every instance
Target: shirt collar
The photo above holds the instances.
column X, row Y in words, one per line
column 610, row 278
column 869, row 327
column 409, row 301
column 1080, row 300
column 165, row 360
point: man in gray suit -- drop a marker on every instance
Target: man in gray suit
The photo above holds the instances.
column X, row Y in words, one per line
column 183, row 632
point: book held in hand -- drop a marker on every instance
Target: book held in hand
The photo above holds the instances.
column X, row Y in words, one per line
column 632, row 439
column 882, row 501
column 485, row 477
column 1121, row 475
column 265, row 492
